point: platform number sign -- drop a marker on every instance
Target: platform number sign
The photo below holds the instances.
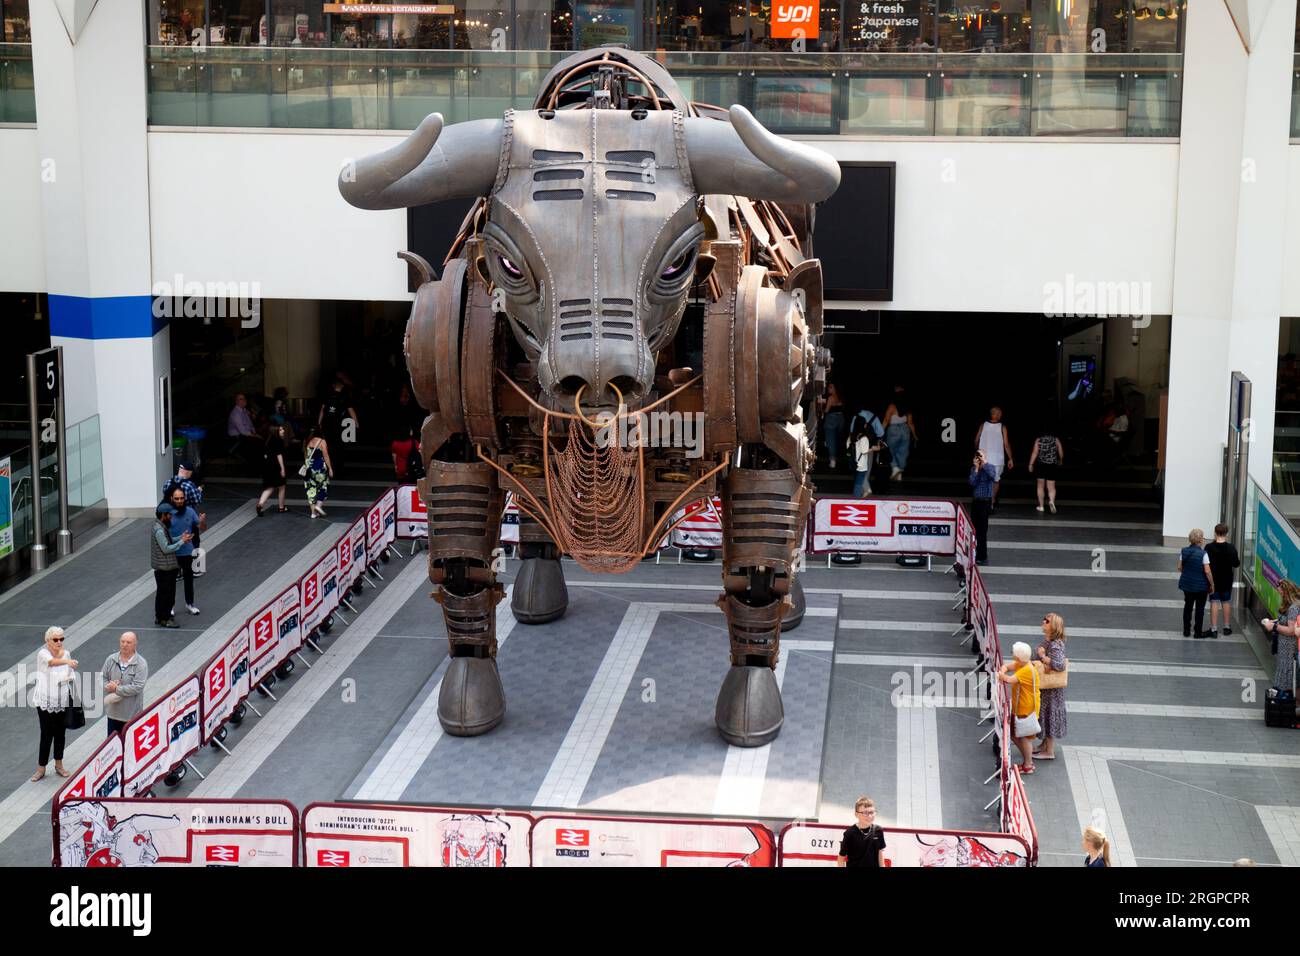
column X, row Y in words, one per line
column 47, row 375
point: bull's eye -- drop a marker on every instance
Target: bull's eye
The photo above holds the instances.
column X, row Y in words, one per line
column 509, row 268
column 679, row 266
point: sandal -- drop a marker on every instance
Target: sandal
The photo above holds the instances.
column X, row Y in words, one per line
column 62, row 773
column 38, row 775
column 1042, row 756
column 1024, row 772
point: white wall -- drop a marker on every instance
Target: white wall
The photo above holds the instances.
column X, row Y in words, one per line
column 981, row 226
column 1291, row 244
column 265, row 208
column 22, row 265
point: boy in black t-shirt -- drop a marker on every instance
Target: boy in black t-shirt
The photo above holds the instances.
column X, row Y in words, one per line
column 1223, row 561
column 863, row 843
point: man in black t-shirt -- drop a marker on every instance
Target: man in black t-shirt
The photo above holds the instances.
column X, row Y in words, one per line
column 335, row 411
column 863, row 843
column 1223, row 562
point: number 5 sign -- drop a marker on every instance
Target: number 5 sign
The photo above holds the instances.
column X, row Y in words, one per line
column 793, row 19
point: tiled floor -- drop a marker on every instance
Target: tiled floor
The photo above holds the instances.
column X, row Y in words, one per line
column 612, row 707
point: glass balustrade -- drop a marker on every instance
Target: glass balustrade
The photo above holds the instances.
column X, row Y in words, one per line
column 17, row 89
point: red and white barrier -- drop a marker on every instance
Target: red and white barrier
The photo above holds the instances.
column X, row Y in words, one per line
column 274, row 633
column 361, row 835
column 319, row 593
column 637, row 841
column 884, row 526
column 99, row 776
column 388, row 513
column 110, row 833
column 357, row 535
column 159, row 738
column 965, row 540
column 224, row 681
column 1016, row 818
column 375, row 530
column 703, row 529
column 818, row 844
column 412, row 515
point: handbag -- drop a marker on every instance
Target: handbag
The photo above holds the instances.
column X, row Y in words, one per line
column 1051, row 680
column 1028, row 725
column 74, row 715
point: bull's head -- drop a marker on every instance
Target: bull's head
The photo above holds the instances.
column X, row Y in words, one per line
column 594, row 221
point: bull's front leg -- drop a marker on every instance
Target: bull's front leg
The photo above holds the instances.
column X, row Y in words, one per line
column 764, row 506
column 539, row 595
column 464, row 504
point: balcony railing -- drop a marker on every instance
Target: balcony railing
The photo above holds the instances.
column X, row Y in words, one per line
column 944, row 94
column 17, row 91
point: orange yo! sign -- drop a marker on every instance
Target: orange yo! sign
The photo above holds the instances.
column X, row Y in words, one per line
column 792, row 19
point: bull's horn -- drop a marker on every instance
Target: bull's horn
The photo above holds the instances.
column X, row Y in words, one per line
column 429, row 165
column 741, row 158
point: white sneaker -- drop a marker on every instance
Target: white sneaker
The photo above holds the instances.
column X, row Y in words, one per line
column 192, row 609
column 1052, row 505
column 1039, row 508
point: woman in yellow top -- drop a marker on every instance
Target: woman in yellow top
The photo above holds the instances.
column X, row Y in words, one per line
column 1025, row 702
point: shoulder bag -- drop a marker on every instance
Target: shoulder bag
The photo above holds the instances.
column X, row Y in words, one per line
column 74, row 715
column 306, row 465
column 1027, row 726
column 1052, row 680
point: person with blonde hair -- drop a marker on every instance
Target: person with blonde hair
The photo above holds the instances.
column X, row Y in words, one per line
column 1284, row 632
column 1051, row 659
column 1195, row 580
column 1097, row 847
column 1026, row 701
column 51, row 696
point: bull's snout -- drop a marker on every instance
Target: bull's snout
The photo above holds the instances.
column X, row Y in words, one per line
column 604, row 392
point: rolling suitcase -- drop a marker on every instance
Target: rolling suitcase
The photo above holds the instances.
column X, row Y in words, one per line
column 1279, row 705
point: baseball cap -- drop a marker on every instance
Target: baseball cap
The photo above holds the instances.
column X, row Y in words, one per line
column 164, row 509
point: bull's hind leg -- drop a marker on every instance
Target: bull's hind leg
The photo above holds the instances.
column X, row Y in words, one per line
column 539, row 594
column 763, row 510
column 464, row 505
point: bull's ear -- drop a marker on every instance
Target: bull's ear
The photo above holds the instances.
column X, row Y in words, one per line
column 704, row 264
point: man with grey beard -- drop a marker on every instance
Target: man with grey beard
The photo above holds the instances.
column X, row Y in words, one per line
column 125, row 674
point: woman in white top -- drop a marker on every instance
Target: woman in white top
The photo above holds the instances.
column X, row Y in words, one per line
column 900, row 432
column 51, row 695
column 993, row 440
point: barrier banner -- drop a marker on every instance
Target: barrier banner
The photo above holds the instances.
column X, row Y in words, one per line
column 224, row 682
column 965, row 543
column 176, row 833
column 274, row 633
column 320, row 593
column 884, row 526
column 629, row 841
column 358, row 535
column 160, row 737
column 374, row 530
column 818, row 844
column 702, row 529
column 99, row 776
column 412, row 516
column 388, row 507
column 1016, row 819
column 353, row 835
column 510, row 520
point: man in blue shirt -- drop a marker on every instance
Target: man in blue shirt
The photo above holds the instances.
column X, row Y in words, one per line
column 983, row 479
column 186, row 519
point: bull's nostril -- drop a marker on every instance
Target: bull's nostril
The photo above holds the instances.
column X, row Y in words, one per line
column 628, row 386
column 569, row 385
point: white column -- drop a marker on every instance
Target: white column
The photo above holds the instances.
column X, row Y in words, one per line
column 1232, row 191
column 89, row 64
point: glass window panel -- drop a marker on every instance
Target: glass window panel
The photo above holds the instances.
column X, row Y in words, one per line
column 888, row 105
column 703, row 25
column 987, row 102
column 985, row 26
column 17, row 28
column 1157, row 26
column 298, row 23
column 175, row 22
column 789, row 103
column 901, row 26
column 237, row 23
column 607, row 22
column 361, row 30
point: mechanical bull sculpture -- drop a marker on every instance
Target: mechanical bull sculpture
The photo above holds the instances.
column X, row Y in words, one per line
column 632, row 258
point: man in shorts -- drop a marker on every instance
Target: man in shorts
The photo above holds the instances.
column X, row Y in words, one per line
column 1223, row 562
column 863, row 843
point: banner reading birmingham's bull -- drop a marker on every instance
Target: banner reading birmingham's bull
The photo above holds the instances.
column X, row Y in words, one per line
column 352, row 835
column 160, row 737
column 274, row 633
column 112, row 833
column 224, row 682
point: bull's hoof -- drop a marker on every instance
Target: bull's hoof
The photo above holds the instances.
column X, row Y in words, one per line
column 539, row 595
column 472, row 700
column 749, row 711
column 794, row 615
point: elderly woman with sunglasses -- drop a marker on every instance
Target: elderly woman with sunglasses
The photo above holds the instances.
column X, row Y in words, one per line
column 51, row 695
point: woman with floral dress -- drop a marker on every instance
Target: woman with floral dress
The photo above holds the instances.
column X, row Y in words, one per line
column 319, row 471
column 1051, row 653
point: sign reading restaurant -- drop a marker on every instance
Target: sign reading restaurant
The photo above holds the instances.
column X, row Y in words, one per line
column 426, row 9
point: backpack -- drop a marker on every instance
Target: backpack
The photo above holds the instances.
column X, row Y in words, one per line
column 872, row 422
